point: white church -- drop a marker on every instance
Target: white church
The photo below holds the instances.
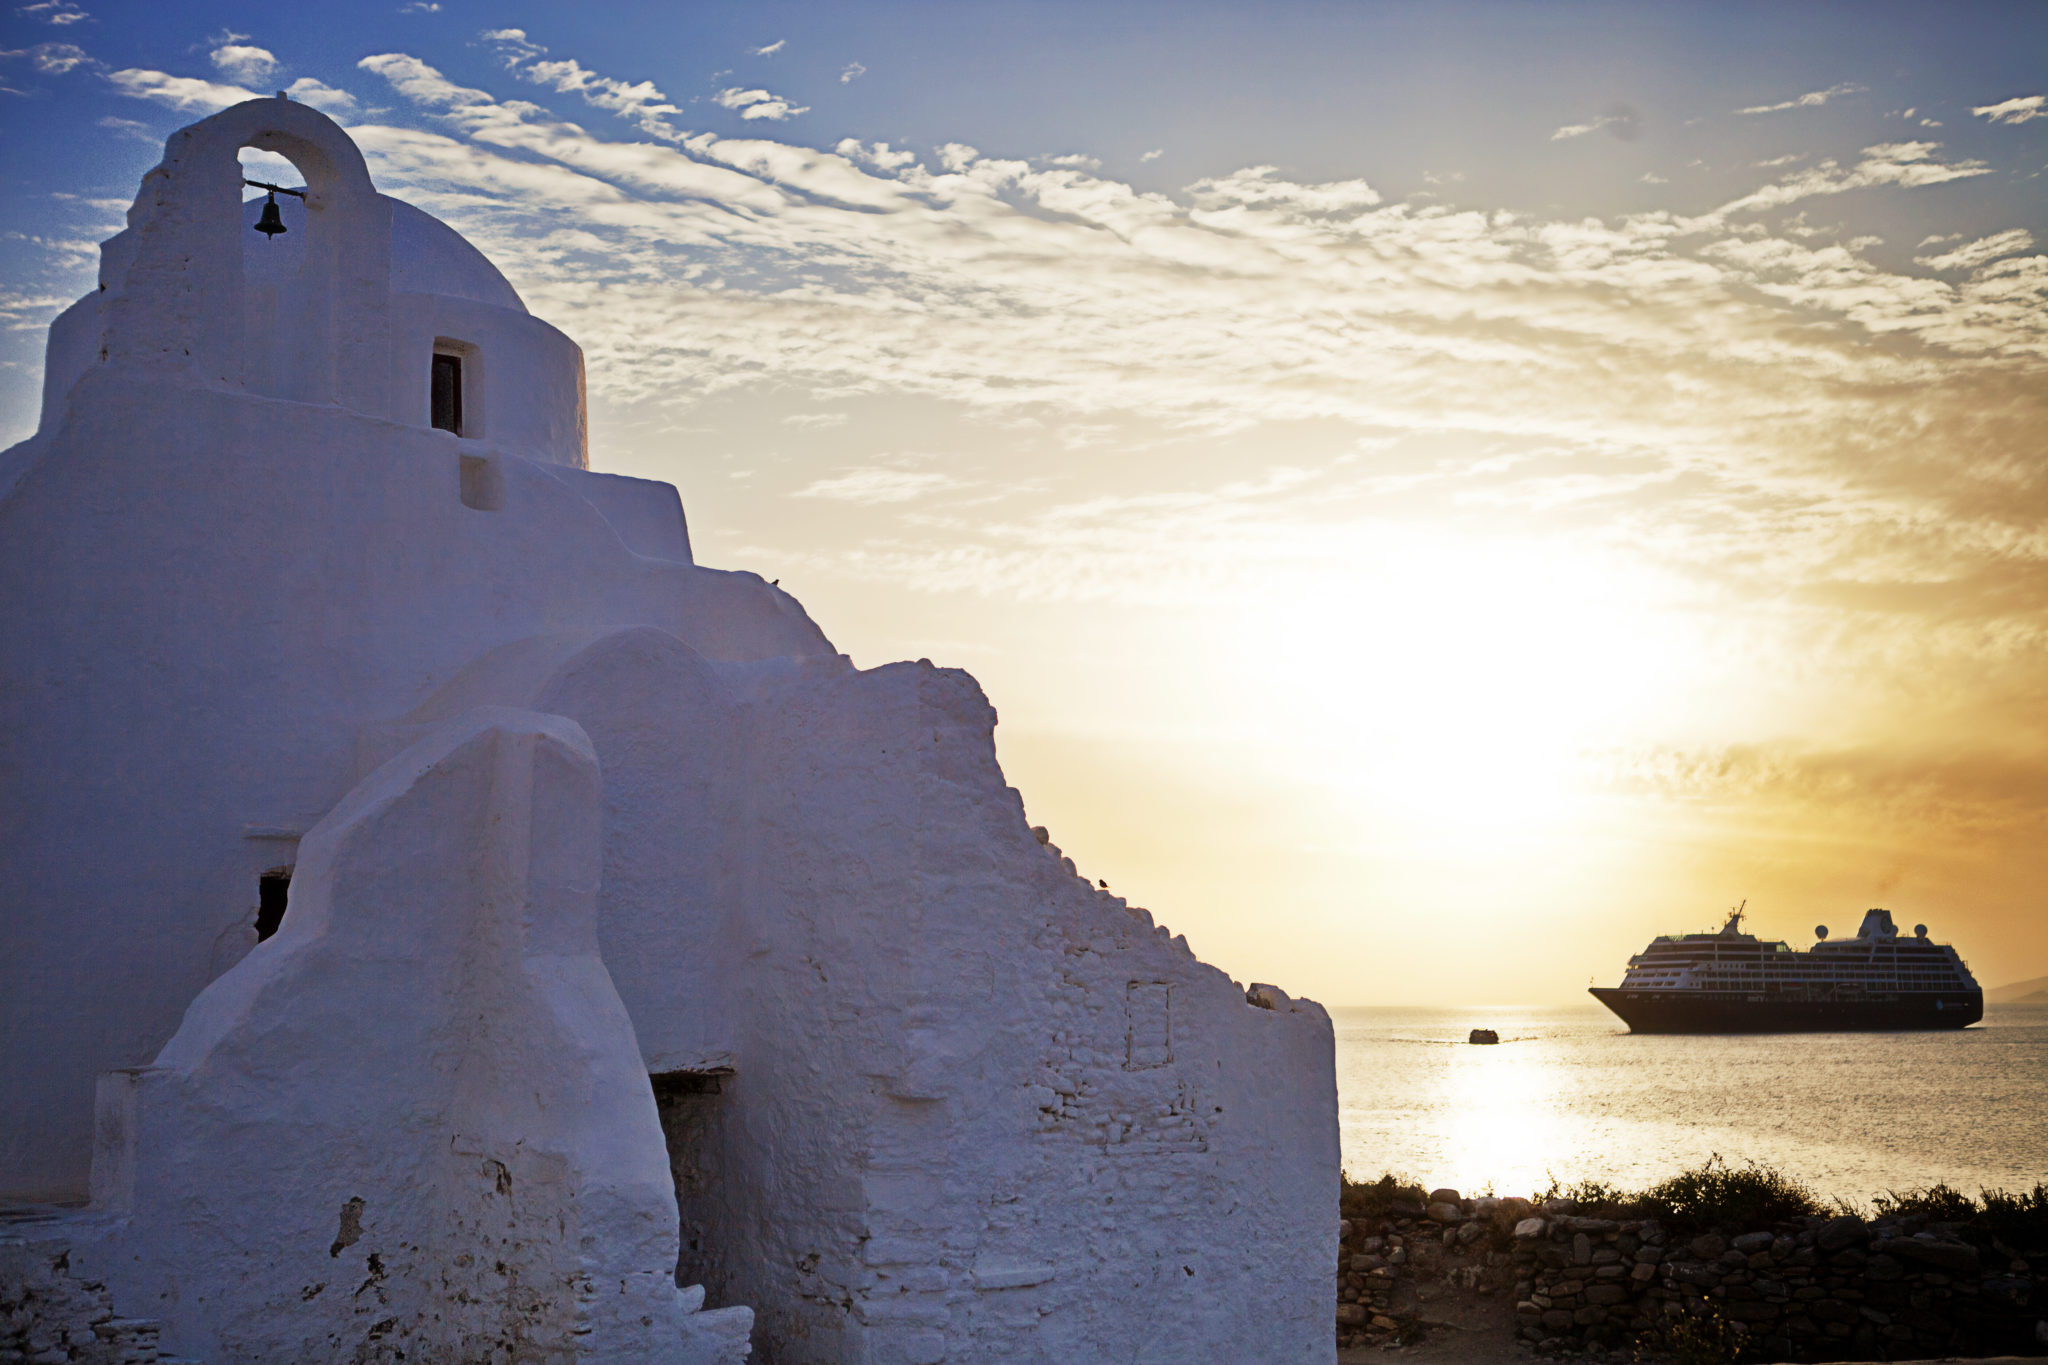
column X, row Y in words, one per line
column 442, row 922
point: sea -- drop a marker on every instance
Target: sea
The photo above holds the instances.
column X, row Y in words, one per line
column 1569, row 1094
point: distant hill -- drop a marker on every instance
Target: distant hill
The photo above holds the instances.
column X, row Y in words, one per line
column 2034, row 992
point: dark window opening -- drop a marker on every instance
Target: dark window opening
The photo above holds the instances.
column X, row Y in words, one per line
column 448, row 393
column 670, row 1086
column 272, row 889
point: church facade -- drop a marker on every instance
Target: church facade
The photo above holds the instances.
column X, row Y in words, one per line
column 441, row 917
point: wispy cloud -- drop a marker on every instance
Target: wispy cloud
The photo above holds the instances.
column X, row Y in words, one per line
column 853, row 71
column 337, row 104
column 244, row 64
column 1812, row 99
column 53, row 59
column 876, row 485
column 1970, row 255
column 188, row 94
column 1152, row 155
column 758, row 104
column 772, row 48
column 2019, row 109
column 420, row 7
column 62, row 13
column 1808, row 434
column 1620, row 122
column 1888, row 163
column 640, row 103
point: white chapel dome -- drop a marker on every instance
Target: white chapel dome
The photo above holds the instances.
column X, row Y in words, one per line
column 427, row 256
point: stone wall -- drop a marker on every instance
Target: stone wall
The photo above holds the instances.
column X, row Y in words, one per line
column 1813, row 1288
column 48, row 1316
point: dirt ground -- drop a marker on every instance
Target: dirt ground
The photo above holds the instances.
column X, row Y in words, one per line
column 1463, row 1329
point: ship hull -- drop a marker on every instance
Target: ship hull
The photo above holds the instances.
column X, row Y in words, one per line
column 1650, row 1011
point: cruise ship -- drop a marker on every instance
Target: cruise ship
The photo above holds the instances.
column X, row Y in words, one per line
column 1732, row 982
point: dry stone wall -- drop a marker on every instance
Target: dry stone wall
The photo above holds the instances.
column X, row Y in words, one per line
column 50, row 1316
column 1810, row 1289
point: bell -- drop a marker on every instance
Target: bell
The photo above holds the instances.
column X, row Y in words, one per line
column 268, row 222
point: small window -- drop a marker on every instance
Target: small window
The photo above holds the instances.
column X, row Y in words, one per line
column 448, row 392
column 272, row 889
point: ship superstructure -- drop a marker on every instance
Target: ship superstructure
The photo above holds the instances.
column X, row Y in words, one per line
column 1733, row 982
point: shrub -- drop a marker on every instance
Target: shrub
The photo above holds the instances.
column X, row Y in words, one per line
column 1717, row 1195
column 1361, row 1199
column 2018, row 1220
column 1939, row 1203
column 1704, row 1338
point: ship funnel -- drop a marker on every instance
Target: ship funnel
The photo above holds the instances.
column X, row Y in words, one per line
column 1877, row 924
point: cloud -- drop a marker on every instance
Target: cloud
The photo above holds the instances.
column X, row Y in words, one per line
column 188, row 94
column 772, row 48
column 1890, row 163
column 420, row 7
column 336, row 104
column 54, row 59
column 1652, row 178
column 812, row 420
column 1152, row 155
column 877, row 155
column 2020, row 109
column 513, row 45
column 62, row 13
column 1700, row 392
column 244, row 64
column 852, row 72
column 1812, row 99
column 128, row 127
column 1260, row 187
column 1985, row 249
column 1620, row 121
column 876, row 485
column 754, row 104
column 640, row 103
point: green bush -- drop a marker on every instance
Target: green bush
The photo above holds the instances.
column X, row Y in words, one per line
column 1720, row 1196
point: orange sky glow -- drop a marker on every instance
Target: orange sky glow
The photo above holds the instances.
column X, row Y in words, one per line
column 1411, row 585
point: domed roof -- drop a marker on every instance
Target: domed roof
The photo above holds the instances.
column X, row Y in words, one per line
column 427, row 256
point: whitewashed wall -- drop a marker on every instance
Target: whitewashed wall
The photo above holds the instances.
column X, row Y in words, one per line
column 928, row 1095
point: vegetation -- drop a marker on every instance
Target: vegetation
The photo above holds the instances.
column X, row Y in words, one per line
column 1703, row 1339
column 1716, row 1196
column 2020, row 1221
column 1360, row 1199
column 1712, row 1196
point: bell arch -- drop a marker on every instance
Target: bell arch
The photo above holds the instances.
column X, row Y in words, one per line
column 174, row 279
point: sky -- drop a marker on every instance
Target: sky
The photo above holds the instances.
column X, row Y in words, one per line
column 1438, row 494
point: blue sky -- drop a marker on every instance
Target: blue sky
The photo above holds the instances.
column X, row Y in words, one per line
column 1364, row 450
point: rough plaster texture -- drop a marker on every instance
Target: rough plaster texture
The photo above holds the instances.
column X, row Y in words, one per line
column 926, row 1093
column 1019, row 1120
column 414, row 1124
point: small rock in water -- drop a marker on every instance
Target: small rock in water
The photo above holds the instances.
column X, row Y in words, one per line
column 1484, row 1035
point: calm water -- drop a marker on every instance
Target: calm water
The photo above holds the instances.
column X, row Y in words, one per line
column 1571, row 1092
